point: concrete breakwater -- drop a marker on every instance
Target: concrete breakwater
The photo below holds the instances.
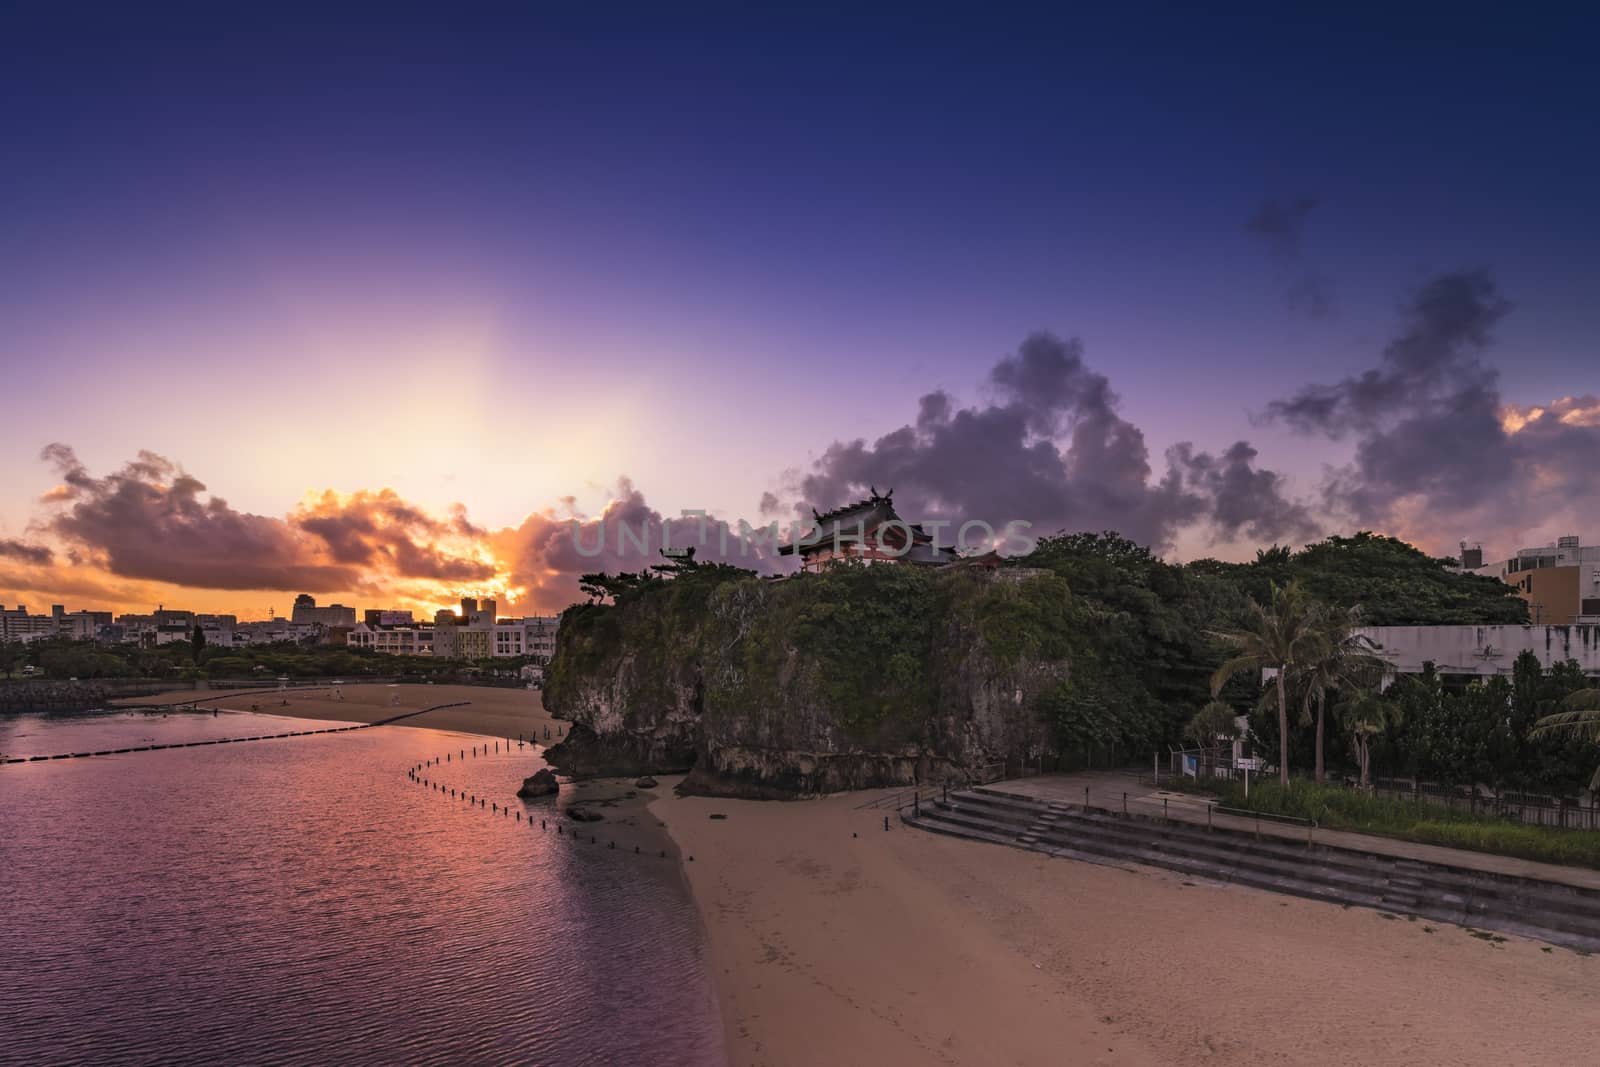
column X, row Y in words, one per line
column 32, row 694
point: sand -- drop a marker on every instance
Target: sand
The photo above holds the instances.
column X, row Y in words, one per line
column 831, row 940
column 909, row 947
column 492, row 712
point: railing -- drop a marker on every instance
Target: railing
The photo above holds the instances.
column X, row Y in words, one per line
column 903, row 799
column 1532, row 809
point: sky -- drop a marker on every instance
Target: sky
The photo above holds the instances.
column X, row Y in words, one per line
column 372, row 301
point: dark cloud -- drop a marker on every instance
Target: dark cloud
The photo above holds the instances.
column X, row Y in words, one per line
column 1281, row 223
column 1243, row 498
column 1280, row 227
column 152, row 521
column 381, row 530
column 1433, row 360
column 1052, row 450
column 1438, row 454
column 38, row 555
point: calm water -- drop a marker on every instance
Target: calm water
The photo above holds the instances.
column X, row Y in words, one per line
column 301, row 901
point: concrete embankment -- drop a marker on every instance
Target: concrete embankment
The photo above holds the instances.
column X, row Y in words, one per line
column 1551, row 911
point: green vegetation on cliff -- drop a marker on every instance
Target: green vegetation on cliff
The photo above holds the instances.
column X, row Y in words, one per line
column 1395, row 583
column 1089, row 643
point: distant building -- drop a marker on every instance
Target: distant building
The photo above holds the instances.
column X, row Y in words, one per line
column 306, row 611
column 386, row 617
column 1560, row 582
column 868, row 531
column 82, row 625
column 463, row 642
column 404, row 640
column 18, row 625
column 275, row 631
column 1484, row 650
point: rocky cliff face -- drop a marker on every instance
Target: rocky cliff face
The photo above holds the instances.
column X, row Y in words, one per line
column 858, row 678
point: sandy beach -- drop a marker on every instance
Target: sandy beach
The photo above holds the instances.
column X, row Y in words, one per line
column 491, row 712
column 834, row 941
column 831, row 939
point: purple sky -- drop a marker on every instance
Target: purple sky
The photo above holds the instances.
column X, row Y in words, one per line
column 507, row 260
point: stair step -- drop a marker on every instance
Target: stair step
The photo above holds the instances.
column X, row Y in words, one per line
column 1547, row 911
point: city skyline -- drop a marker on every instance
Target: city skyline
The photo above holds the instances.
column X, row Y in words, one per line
column 384, row 306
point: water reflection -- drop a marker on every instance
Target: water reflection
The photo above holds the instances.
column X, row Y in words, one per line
column 303, row 901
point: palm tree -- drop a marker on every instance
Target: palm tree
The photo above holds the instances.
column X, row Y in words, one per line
column 1281, row 635
column 1580, row 717
column 1367, row 713
column 1343, row 657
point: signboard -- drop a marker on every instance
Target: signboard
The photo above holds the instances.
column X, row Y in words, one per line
column 1248, row 763
column 1191, row 767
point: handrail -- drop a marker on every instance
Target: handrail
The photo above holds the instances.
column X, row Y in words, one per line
column 1271, row 816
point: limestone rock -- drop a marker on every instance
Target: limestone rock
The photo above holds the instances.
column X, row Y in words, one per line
column 542, row 784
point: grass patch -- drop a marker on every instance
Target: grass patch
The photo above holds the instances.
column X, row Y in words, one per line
column 1345, row 809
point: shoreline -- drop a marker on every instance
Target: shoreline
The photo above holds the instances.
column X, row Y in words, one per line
column 831, row 939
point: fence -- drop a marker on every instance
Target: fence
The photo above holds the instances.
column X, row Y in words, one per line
column 1202, row 763
column 1532, row 809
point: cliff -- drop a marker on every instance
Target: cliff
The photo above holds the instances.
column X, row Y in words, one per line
column 859, row 677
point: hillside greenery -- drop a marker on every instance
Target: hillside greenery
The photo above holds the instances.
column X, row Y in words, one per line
column 1134, row 641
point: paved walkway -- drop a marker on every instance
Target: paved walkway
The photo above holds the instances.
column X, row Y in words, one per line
column 1118, row 791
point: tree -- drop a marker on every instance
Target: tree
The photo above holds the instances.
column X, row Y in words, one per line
column 197, row 641
column 1397, row 584
column 1342, row 657
column 1281, row 635
column 1579, row 718
column 1366, row 714
column 1216, row 719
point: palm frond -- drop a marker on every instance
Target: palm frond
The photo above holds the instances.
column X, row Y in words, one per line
column 1582, row 722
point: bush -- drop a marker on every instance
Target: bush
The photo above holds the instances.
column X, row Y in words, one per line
column 1345, row 809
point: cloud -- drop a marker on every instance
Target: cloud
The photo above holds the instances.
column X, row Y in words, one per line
column 548, row 552
column 379, row 530
column 1243, row 498
column 1438, row 454
column 1279, row 225
column 1052, row 450
column 1434, row 359
column 34, row 554
column 152, row 521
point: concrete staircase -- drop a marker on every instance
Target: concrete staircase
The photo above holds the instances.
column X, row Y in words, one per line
column 1546, row 911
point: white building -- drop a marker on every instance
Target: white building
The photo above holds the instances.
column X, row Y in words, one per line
column 1484, row 650
column 392, row 640
column 474, row 634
